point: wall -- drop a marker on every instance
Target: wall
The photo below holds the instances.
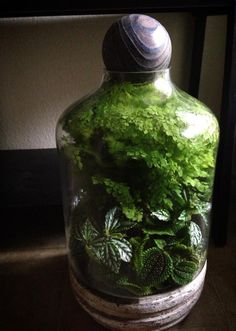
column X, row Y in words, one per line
column 46, row 64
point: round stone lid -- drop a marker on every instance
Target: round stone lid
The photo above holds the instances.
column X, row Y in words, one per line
column 136, row 43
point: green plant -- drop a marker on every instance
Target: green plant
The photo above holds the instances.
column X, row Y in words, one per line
column 109, row 247
column 146, row 163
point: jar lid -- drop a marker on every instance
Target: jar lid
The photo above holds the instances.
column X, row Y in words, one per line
column 136, row 43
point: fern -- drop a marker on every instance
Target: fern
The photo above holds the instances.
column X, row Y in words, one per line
column 121, row 193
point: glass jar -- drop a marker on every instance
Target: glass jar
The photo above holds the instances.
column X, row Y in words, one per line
column 137, row 159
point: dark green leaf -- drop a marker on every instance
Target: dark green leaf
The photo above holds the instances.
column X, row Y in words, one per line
column 107, row 253
column 87, row 232
column 183, row 271
column 160, row 231
column 138, row 246
column 160, row 243
column 157, row 266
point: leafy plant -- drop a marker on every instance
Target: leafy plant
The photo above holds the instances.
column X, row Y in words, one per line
column 152, row 156
column 109, row 247
column 121, row 193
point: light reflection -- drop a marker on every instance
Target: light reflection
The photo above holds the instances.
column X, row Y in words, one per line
column 78, row 197
column 159, row 35
column 197, row 124
column 163, row 85
column 65, row 137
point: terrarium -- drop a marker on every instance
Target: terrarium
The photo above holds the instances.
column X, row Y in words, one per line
column 137, row 162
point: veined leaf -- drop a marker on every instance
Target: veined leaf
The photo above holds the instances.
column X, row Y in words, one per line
column 161, row 214
column 183, row 271
column 111, row 223
column 184, row 216
column 192, row 236
column 127, row 225
column 107, row 253
column 110, row 251
column 185, row 263
column 124, row 248
column 87, row 232
column 195, row 235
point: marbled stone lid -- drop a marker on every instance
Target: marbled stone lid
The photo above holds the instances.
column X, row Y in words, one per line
column 136, row 43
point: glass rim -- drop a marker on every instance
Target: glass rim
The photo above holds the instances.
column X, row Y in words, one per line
column 117, row 72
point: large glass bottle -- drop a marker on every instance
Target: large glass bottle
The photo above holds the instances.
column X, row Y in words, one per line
column 138, row 159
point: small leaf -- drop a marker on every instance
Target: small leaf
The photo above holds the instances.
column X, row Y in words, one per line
column 160, row 231
column 132, row 213
column 203, row 208
column 124, row 248
column 182, row 251
column 134, row 288
column 195, row 235
column 127, row 225
column 161, row 214
column 178, row 225
column 111, row 223
column 160, row 243
column 138, row 246
column 87, row 232
column 184, row 216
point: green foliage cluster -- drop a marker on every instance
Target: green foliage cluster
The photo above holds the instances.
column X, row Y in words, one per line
column 150, row 160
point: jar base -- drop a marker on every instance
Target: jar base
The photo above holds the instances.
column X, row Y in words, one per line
column 152, row 313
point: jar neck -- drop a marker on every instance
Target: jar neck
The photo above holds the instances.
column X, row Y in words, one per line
column 136, row 77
